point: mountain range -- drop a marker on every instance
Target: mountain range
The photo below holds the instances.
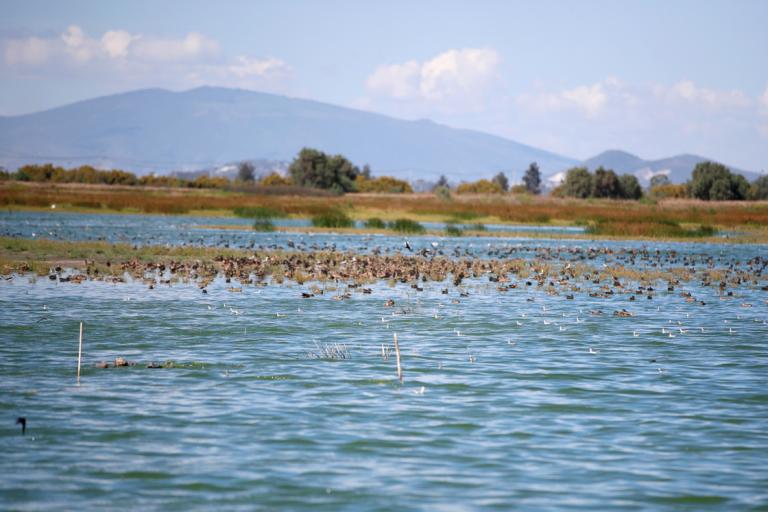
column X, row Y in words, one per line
column 155, row 130
column 210, row 128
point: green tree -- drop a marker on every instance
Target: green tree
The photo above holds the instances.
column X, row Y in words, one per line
column 605, row 183
column 502, row 181
column 578, row 183
column 246, row 172
column 659, row 180
column 532, row 179
column 630, row 187
column 714, row 181
column 315, row 169
column 759, row 189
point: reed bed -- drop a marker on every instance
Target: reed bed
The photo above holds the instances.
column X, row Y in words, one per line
column 509, row 208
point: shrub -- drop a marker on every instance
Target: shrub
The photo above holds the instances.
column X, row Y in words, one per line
column 275, row 180
column 256, row 212
column 383, row 185
column 263, row 225
column 332, row 219
column 375, row 223
column 406, row 226
column 479, row 187
column 453, row 230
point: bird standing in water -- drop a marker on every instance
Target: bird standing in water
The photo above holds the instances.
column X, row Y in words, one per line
column 23, row 422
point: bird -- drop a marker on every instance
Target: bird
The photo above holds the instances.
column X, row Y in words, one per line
column 408, row 246
column 592, row 351
column 21, row 420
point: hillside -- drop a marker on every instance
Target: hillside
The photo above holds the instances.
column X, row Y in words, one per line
column 156, row 130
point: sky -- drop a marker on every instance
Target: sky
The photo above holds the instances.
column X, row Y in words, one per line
column 655, row 78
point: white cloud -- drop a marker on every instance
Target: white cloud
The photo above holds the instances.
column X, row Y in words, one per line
column 116, row 43
column 192, row 46
column 140, row 60
column 244, row 67
column 763, row 100
column 687, row 91
column 75, row 46
column 398, row 81
column 454, row 75
column 29, row 51
column 590, row 100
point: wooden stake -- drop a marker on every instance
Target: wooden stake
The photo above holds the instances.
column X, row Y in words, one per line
column 397, row 354
column 80, row 353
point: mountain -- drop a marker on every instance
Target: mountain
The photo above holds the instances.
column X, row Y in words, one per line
column 156, row 130
column 677, row 168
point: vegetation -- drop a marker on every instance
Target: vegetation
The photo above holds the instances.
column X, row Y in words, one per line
column 406, row 226
column 375, row 223
column 263, row 225
column 669, row 191
column 314, row 169
column 246, row 172
column 502, row 181
column 382, row 184
column 257, row 212
column 332, row 219
column 715, row 182
column 759, row 189
column 274, row 179
column 453, row 230
column 604, row 183
column 655, row 228
column 479, row 187
column 532, row 179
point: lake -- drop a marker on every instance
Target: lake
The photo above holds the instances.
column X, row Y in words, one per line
column 510, row 400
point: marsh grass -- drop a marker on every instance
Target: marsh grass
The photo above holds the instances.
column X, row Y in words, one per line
column 453, row 230
column 420, row 207
column 654, row 228
column 406, row 226
column 257, row 212
column 375, row 223
column 332, row 219
column 265, row 225
column 329, row 351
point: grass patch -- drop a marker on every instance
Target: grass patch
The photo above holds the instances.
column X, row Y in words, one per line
column 406, row 226
column 453, row 230
column 332, row 219
column 658, row 228
column 477, row 227
column 256, row 212
column 263, row 225
column 375, row 223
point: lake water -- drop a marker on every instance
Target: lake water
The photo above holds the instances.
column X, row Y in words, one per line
column 515, row 400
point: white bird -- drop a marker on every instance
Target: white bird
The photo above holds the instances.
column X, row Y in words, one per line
column 562, row 328
column 635, row 334
column 518, row 322
column 593, row 351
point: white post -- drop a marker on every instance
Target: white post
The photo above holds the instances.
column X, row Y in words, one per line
column 80, row 353
column 399, row 368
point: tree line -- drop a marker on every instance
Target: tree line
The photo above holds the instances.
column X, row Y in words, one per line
column 314, row 169
column 710, row 181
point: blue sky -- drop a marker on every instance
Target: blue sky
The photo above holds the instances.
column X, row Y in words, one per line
column 655, row 78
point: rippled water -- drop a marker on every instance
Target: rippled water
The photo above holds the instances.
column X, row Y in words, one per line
column 510, row 400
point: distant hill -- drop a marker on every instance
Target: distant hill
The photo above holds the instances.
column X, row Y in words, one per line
column 156, row 130
column 677, row 168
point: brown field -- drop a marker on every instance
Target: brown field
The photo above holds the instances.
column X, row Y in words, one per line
column 614, row 217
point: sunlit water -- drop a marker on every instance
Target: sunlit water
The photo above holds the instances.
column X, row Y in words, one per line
column 516, row 400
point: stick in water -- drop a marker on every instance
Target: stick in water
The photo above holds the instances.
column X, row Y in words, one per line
column 399, row 368
column 80, row 353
